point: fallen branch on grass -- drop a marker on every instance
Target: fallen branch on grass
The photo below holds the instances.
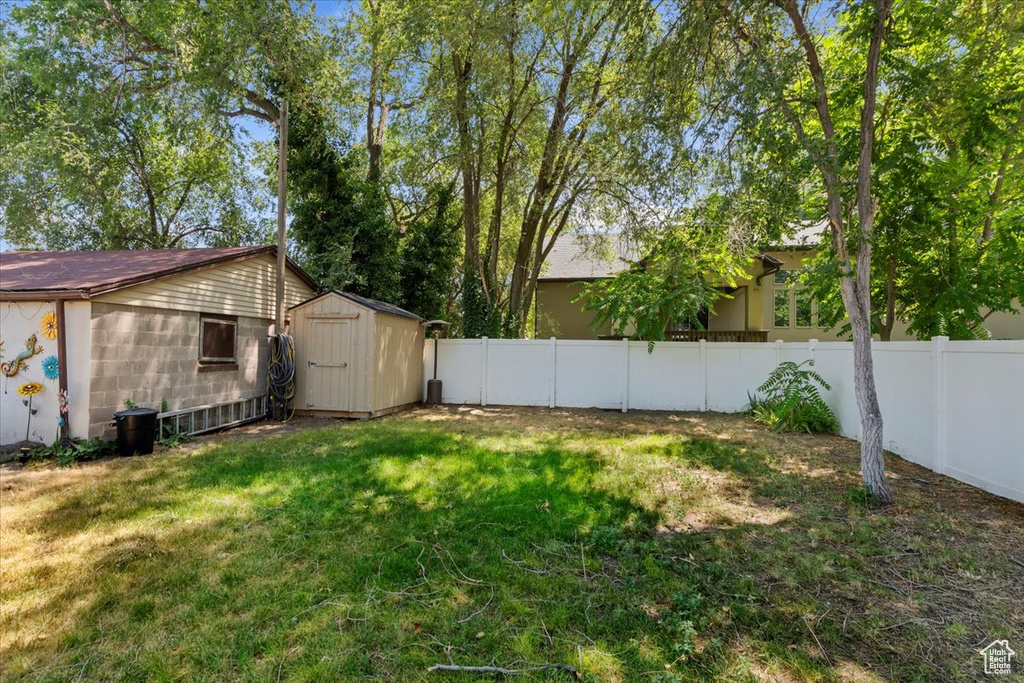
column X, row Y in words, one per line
column 501, row 671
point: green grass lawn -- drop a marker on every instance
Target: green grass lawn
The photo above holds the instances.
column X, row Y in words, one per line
column 647, row 547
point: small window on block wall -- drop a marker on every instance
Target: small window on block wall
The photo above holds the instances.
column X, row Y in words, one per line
column 217, row 339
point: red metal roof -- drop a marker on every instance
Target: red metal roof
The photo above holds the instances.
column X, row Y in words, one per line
column 85, row 273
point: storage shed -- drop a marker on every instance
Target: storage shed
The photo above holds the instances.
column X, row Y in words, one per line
column 355, row 357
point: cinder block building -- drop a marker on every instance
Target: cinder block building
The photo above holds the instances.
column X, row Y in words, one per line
column 82, row 333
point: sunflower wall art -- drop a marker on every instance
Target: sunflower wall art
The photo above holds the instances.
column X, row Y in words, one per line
column 29, row 390
column 30, row 371
column 48, row 326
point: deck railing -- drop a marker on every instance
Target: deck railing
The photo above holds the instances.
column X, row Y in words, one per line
column 717, row 335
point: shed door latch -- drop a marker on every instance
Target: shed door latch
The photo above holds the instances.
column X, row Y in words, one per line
column 310, row 363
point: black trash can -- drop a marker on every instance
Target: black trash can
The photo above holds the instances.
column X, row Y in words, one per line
column 136, row 431
column 433, row 392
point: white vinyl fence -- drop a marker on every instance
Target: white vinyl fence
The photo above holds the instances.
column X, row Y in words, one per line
column 954, row 407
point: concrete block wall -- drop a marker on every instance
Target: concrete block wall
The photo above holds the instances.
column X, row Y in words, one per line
column 150, row 354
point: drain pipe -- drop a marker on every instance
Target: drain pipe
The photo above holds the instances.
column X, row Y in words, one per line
column 62, row 375
column 772, row 265
column 282, row 192
column 281, row 360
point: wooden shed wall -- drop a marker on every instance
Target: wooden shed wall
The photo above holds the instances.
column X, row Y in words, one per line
column 243, row 288
column 398, row 372
column 361, row 364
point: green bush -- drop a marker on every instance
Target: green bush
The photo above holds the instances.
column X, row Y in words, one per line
column 790, row 401
column 79, row 450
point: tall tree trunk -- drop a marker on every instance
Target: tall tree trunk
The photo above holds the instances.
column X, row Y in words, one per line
column 855, row 275
column 540, row 194
column 872, row 452
column 467, row 165
column 536, row 205
column 1004, row 160
column 474, row 307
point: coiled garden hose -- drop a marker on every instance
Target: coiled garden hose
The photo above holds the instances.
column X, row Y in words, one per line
column 281, row 378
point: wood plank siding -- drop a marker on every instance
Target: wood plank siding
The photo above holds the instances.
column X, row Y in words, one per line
column 242, row 288
column 359, row 377
column 398, row 376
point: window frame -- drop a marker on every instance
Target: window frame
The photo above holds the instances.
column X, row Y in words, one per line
column 776, row 291
column 811, row 317
column 220, row 320
column 792, row 289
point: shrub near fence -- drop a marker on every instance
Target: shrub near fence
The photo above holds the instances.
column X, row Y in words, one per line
column 954, row 407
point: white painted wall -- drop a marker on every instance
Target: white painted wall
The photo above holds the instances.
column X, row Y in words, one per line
column 78, row 321
column 954, row 407
column 18, row 322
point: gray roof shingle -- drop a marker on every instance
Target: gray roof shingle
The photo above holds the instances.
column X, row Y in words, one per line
column 593, row 257
column 588, row 257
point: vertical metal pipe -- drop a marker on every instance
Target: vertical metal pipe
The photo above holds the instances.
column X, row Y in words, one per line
column 282, row 192
column 62, row 369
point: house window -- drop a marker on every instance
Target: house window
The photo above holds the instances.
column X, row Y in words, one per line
column 700, row 322
column 781, row 307
column 804, row 304
column 793, row 306
column 217, row 339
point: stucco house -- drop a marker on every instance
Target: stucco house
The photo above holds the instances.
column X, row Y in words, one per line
column 81, row 332
column 767, row 306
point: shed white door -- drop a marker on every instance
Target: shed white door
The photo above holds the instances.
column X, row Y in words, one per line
column 328, row 367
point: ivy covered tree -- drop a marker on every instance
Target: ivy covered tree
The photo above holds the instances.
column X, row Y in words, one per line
column 429, row 258
column 339, row 219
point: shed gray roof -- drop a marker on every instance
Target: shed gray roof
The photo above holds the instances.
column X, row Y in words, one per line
column 372, row 304
column 593, row 257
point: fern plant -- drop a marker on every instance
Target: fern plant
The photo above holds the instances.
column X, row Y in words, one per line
column 790, row 400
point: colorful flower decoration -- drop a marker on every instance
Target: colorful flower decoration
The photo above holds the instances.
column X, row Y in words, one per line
column 51, row 367
column 30, row 389
column 62, row 401
column 49, row 325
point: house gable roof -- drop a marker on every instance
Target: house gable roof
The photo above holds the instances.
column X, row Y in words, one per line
column 366, row 302
column 587, row 257
column 83, row 274
column 576, row 258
